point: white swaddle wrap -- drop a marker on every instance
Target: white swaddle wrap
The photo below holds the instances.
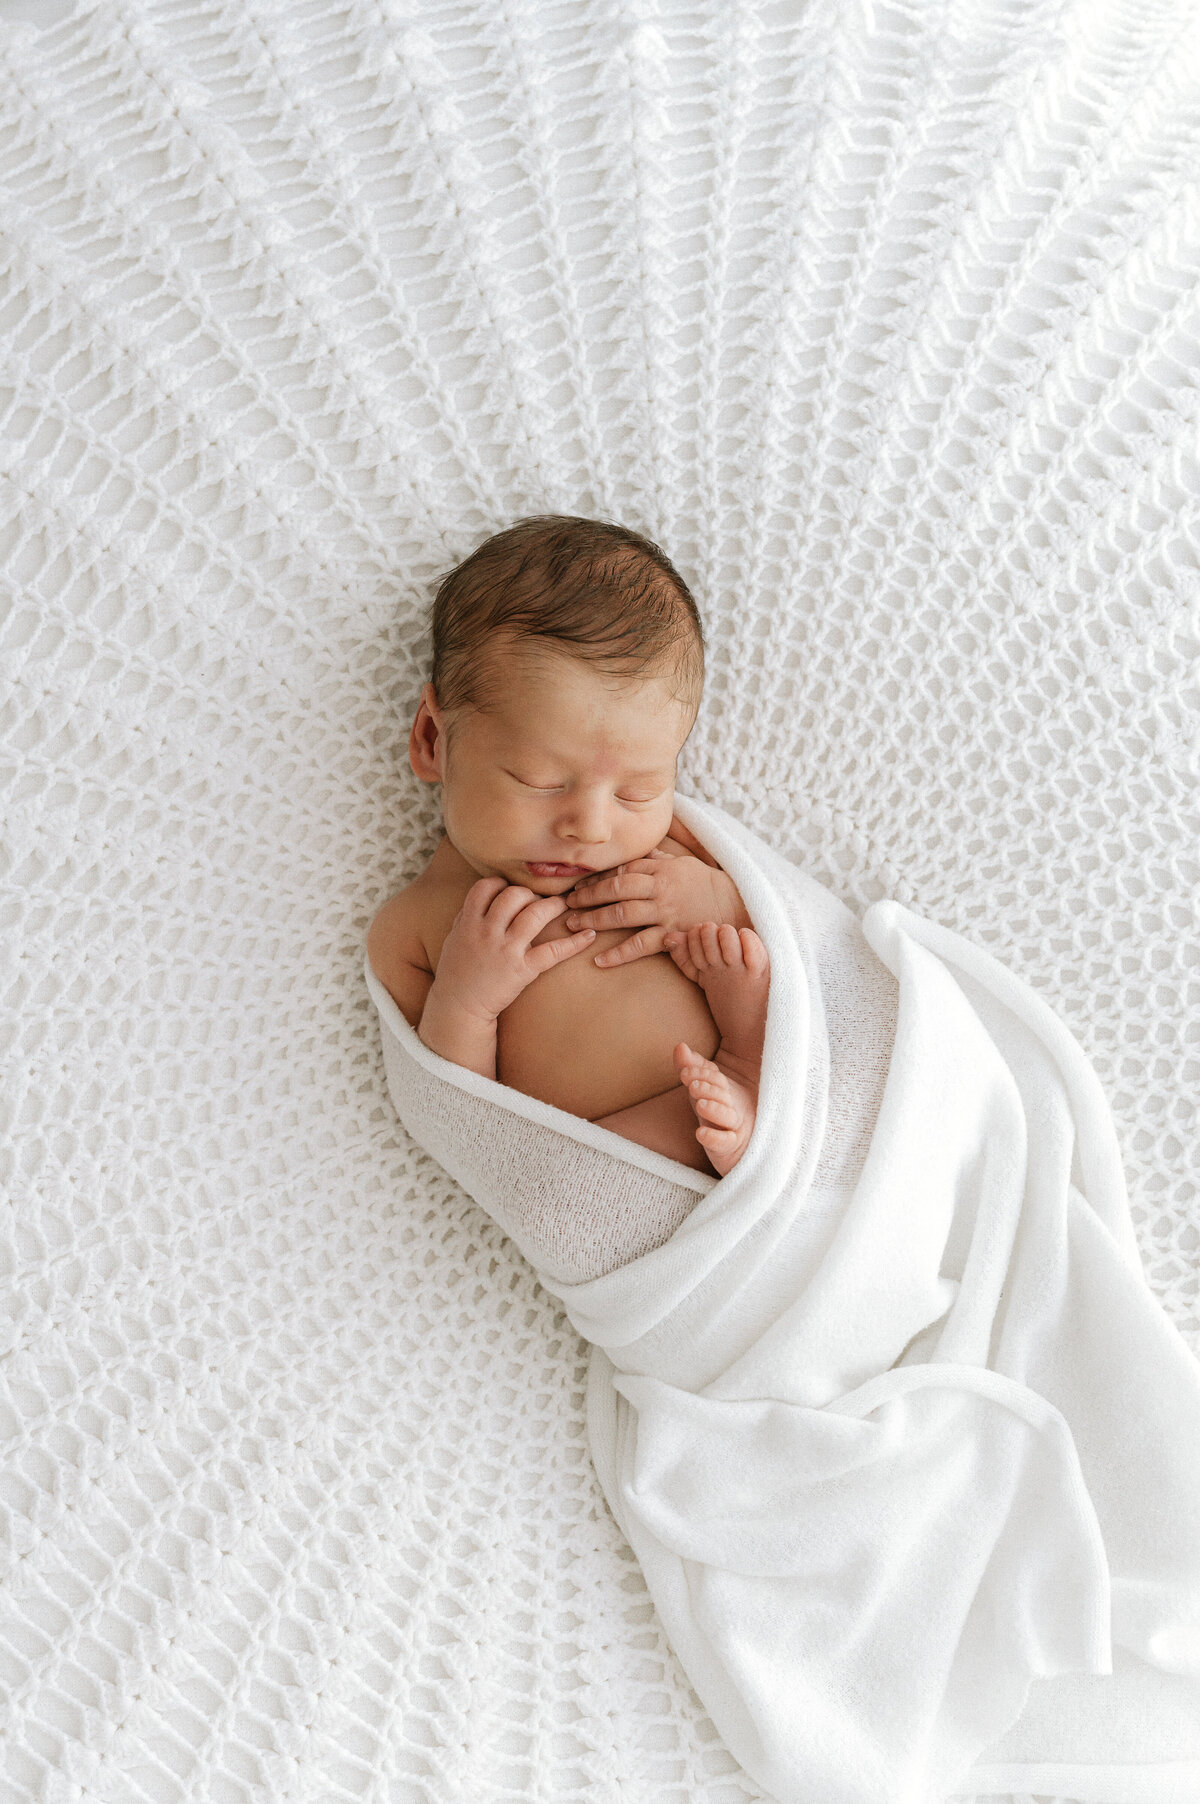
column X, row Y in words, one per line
column 907, row 1449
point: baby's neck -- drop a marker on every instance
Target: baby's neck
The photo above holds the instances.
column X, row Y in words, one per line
column 449, row 865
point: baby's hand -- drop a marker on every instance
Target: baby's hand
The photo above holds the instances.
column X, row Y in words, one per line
column 659, row 894
column 487, row 958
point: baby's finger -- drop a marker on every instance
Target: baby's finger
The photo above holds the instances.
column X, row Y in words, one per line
column 552, row 952
column 639, row 945
column 478, row 900
column 507, row 904
column 613, row 887
column 534, row 915
column 592, row 879
column 482, row 892
column 619, row 914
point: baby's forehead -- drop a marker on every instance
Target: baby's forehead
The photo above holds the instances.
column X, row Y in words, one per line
column 546, row 750
column 553, row 704
column 632, row 754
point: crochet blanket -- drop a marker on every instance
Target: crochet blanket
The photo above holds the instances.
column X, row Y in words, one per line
column 892, row 1450
column 884, row 319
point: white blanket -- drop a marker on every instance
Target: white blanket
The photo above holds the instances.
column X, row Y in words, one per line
column 911, row 1464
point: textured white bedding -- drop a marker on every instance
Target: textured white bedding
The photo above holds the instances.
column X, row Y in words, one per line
column 885, row 321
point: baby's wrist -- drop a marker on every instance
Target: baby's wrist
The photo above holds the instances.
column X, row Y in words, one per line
column 464, row 1036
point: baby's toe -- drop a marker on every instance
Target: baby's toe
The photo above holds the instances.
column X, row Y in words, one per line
column 702, row 945
column 721, row 1140
column 680, row 952
column 729, row 943
column 717, row 1112
column 702, row 1085
column 754, row 953
column 710, row 940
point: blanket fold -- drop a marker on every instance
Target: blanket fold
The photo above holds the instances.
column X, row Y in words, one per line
column 910, row 1461
column 965, row 1483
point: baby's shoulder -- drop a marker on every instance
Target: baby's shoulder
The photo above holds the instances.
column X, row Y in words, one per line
column 395, row 929
column 398, row 946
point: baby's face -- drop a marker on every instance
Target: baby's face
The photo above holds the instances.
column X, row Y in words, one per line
column 576, row 768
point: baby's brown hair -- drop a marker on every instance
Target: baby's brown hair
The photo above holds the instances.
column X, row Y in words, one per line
column 600, row 591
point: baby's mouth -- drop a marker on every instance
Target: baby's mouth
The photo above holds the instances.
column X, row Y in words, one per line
column 558, row 870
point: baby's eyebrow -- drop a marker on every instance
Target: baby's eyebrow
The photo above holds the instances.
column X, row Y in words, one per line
column 657, row 770
column 644, row 777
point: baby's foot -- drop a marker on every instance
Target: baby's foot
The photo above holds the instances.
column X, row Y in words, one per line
column 730, row 964
column 725, row 1107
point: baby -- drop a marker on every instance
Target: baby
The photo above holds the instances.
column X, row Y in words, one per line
column 568, row 666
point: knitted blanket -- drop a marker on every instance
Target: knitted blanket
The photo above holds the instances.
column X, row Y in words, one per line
column 884, row 319
column 891, row 1451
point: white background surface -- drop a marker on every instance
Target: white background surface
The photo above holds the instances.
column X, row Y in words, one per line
column 884, row 321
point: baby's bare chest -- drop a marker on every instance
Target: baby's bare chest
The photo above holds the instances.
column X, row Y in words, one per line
column 593, row 1040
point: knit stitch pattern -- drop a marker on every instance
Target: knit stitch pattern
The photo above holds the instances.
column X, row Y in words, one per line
column 883, row 318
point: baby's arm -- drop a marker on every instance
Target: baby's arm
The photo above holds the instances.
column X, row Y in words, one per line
column 455, row 1034
column 486, row 960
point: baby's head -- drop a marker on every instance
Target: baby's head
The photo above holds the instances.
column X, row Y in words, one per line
column 568, row 668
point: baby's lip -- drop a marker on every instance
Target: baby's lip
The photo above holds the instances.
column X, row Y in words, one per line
column 555, row 864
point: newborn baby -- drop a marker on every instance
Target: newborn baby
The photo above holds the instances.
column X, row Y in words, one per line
column 569, row 937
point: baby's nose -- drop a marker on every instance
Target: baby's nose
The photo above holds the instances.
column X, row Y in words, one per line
column 589, row 831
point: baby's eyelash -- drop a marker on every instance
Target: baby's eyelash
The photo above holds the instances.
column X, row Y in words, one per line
column 548, row 790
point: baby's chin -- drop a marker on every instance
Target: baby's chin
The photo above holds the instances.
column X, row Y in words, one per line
column 516, row 870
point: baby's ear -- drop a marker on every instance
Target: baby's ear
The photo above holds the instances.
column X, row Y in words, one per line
column 420, row 745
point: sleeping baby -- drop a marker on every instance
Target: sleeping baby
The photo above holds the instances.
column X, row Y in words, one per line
column 569, row 937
